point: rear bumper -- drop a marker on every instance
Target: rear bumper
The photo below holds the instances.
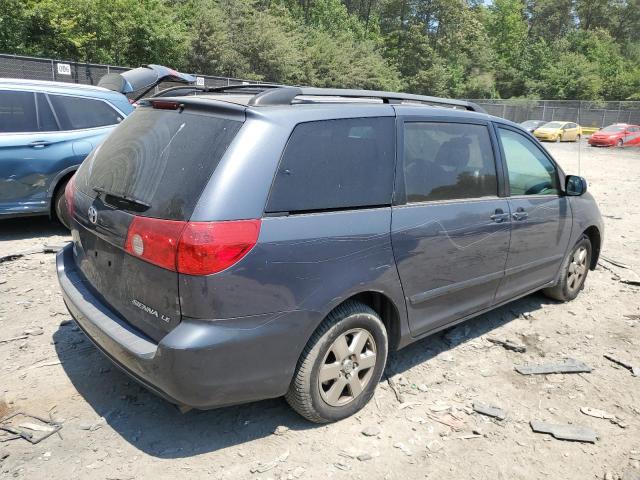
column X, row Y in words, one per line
column 200, row 363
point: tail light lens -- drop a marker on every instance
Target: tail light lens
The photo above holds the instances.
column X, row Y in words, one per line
column 154, row 240
column 209, row 247
column 192, row 248
column 68, row 195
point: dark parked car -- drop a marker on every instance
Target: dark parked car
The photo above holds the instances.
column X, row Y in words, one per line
column 48, row 128
column 531, row 125
column 229, row 248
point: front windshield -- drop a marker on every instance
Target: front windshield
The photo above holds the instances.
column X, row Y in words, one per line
column 531, row 123
column 613, row 128
column 553, row 125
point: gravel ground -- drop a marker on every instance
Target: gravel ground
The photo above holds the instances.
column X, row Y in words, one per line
column 114, row 429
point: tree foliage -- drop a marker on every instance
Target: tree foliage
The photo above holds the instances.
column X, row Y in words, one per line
column 582, row 49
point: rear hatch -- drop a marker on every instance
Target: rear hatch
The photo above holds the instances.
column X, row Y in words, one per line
column 137, row 82
column 152, row 168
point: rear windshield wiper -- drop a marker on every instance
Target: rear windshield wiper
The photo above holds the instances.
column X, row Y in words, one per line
column 122, row 202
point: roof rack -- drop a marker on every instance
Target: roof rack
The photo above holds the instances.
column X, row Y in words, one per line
column 251, row 87
column 281, row 95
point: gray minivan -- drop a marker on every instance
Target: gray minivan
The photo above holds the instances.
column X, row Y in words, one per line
column 262, row 241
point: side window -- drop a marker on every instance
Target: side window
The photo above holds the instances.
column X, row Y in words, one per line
column 530, row 171
column 76, row 112
column 448, row 161
column 46, row 120
column 17, row 112
column 335, row 164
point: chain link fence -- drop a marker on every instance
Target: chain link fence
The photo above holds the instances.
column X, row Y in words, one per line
column 32, row 68
column 588, row 114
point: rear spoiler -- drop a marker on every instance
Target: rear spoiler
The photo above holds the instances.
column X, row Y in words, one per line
column 141, row 80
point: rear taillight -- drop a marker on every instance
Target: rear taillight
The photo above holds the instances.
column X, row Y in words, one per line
column 68, row 195
column 154, row 240
column 193, row 248
column 210, row 247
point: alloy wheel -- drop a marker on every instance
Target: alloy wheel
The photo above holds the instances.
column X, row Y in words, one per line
column 347, row 367
column 577, row 269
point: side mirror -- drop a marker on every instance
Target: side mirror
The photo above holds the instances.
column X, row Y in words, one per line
column 575, row 185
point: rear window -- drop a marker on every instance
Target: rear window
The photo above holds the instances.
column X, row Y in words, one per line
column 159, row 158
column 335, row 164
column 76, row 113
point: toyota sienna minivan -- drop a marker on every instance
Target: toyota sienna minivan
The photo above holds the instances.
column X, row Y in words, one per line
column 266, row 241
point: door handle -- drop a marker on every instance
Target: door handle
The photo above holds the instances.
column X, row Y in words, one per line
column 39, row 144
column 520, row 214
column 499, row 216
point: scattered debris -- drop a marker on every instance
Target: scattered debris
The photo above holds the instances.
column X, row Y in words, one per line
column 470, row 436
column 280, row 430
column 489, row 410
column 635, row 371
column 509, row 345
column 363, row 457
column 47, row 364
column 450, row 420
column 569, row 366
column 371, row 431
column 3, row 455
column 264, row 467
column 403, row 448
column 574, row 433
column 614, row 262
column 594, row 412
column 43, row 249
column 402, row 406
column 93, row 426
column 23, row 425
column 13, row 339
column 394, row 387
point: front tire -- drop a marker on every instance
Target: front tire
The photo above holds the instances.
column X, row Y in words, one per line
column 573, row 273
column 619, row 143
column 341, row 365
column 558, row 138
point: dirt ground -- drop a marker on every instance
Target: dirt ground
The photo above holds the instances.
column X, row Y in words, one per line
column 114, row 429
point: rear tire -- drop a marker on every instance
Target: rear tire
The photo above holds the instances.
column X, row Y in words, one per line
column 558, row 138
column 578, row 137
column 349, row 349
column 619, row 143
column 60, row 206
column 573, row 272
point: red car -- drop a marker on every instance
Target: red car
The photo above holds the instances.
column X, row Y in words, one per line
column 619, row 134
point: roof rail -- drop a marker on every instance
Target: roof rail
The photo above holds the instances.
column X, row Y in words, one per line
column 257, row 87
column 281, row 95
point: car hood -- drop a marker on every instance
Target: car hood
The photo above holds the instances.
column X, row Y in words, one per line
column 547, row 130
column 143, row 79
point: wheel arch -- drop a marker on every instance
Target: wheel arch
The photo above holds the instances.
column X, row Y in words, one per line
column 595, row 237
column 385, row 307
column 62, row 179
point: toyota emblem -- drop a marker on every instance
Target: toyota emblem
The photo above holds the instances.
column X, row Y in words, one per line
column 93, row 214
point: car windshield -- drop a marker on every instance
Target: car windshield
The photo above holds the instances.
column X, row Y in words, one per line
column 553, row 125
column 531, row 123
column 613, row 128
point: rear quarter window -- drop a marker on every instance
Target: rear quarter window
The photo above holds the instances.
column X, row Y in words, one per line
column 76, row 113
column 17, row 112
column 335, row 164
